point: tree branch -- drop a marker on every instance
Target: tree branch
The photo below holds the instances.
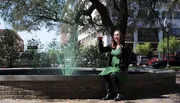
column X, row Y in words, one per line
column 104, row 15
column 84, row 12
column 53, row 19
column 94, row 23
column 156, row 15
column 115, row 5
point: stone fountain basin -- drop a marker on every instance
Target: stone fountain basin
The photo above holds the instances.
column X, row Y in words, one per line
column 83, row 86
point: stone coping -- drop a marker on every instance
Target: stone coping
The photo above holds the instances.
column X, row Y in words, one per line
column 79, row 78
column 138, row 69
column 78, row 68
column 48, row 78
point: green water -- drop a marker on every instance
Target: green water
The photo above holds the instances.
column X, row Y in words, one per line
column 70, row 52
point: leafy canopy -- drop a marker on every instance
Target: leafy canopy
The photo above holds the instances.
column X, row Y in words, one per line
column 173, row 45
column 10, row 48
column 31, row 14
column 143, row 49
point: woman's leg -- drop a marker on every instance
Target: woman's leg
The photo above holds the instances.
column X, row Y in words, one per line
column 118, row 91
column 116, row 84
column 108, row 88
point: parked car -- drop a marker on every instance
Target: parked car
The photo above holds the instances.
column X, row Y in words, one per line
column 142, row 60
column 160, row 63
column 150, row 61
column 173, row 61
column 172, row 57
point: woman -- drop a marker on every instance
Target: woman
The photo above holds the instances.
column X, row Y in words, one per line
column 116, row 72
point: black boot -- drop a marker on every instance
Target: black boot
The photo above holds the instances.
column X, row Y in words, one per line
column 118, row 97
column 108, row 95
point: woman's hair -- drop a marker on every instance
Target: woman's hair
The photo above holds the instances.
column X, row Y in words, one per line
column 113, row 43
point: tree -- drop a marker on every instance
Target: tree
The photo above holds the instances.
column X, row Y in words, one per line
column 32, row 56
column 53, row 49
column 32, row 14
column 174, row 4
column 32, row 48
column 173, row 45
column 143, row 49
column 45, row 60
column 9, row 52
column 90, row 53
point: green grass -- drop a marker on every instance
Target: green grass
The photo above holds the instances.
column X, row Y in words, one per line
column 133, row 67
column 176, row 68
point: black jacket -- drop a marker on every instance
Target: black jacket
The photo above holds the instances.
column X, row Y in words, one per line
column 124, row 56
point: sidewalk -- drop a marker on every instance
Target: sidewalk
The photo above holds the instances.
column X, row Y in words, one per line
column 169, row 98
column 93, row 101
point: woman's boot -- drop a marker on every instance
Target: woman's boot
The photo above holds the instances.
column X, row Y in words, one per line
column 109, row 92
column 108, row 95
column 118, row 97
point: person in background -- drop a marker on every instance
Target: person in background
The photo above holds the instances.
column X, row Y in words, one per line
column 116, row 72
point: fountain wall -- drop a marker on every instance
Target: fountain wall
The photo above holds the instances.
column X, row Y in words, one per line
column 82, row 87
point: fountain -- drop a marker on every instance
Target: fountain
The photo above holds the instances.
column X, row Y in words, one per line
column 70, row 52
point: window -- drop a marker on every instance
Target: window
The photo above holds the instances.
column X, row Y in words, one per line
column 154, row 14
column 145, row 34
column 176, row 31
column 176, row 15
column 142, row 13
column 130, row 13
column 166, row 14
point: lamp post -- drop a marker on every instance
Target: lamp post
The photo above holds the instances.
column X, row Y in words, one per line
column 167, row 31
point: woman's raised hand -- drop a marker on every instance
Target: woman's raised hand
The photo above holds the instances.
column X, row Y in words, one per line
column 100, row 37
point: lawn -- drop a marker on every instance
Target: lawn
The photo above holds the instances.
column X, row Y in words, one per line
column 176, row 68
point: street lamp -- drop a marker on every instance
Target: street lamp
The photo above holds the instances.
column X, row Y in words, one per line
column 167, row 31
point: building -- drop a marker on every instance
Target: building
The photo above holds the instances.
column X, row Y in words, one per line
column 19, row 45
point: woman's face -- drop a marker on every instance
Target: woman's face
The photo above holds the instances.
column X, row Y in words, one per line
column 117, row 36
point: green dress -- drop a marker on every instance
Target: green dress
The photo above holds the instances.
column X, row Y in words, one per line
column 114, row 68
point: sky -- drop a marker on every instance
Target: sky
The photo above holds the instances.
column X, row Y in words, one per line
column 42, row 34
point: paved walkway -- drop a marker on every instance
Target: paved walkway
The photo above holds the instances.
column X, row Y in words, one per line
column 169, row 98
column 92, row 101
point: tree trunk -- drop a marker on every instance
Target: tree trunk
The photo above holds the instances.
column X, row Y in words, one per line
column 122, row 19
column 103, row 11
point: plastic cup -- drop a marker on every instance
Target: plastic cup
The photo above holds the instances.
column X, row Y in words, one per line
column 100, row 38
